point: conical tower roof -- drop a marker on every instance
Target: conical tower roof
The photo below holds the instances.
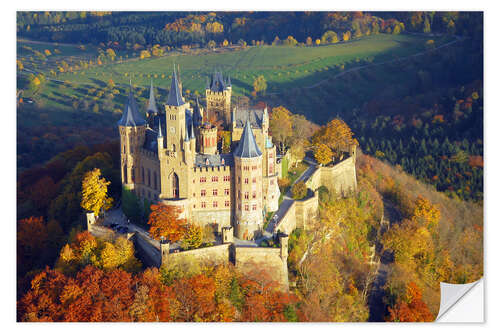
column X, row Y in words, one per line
column 247, row 147
column 175, row 93
column 152, row 102
column 131, row 115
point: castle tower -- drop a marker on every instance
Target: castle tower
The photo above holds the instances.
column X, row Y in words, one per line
column 218, row 94
column 132, row 128
column 176, row 158
column 207, row 139
column 151, row 110
column 248, row 186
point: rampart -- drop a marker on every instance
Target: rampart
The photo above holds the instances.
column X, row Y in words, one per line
column 339, row 178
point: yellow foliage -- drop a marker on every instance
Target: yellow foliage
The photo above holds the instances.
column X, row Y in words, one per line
column 95, row 192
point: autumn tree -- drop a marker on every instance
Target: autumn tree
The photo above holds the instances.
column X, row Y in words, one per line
column 299, row 190
column 260, row 84
column 164, row 222
column 329, row 37
column 309, row 41
column 280, row 126
column 411, row 308
column 95, row 192
column 323, row 154
column 336, row 135
column 297, row 151
column 193, row 237
column 211, row 44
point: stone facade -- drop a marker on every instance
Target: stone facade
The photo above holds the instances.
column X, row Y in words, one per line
column 174, row 158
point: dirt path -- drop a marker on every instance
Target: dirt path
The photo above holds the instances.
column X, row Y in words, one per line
column 378, row 309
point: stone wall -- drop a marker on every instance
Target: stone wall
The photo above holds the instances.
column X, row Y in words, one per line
column 270, row 260
column 339, row 178
column 214, row 255
column 305, row 210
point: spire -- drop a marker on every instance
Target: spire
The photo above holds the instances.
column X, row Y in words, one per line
column 192, row 128
column 159, row 129
column 217, row 84
column 186, row 135
column 131, row 115
column 175, row 94
column 247, row 147
column 152, row 102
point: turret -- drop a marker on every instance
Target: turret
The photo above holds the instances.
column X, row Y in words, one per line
column 248, row 186
column 132, row 128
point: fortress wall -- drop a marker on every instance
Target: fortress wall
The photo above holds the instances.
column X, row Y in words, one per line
column 341, row 177
column 305, row 210
column 247, row 259
column 148, row 254
column 288, row 222
column 101, row 231
column 314, row 181
column 218, row 254
column 221, row 217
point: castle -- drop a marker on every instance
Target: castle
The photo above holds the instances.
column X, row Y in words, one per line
column 173, row 157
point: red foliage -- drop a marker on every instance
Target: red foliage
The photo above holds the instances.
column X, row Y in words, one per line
column 412, row 309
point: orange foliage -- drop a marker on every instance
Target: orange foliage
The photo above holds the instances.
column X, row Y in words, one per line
column 412, row 308
column 164, row 221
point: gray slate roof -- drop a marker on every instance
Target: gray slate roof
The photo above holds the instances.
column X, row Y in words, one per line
column 247, row 147
column 175, row 93
column 152, row 102
column 131, row 115
column 217, row 84
column 213, row 160
column 255, row 117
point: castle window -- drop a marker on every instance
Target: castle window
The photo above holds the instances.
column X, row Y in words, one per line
column 254, row 195
column 226, row 203
column 215, row 179
column 194, row 181
column 246, row 180
column 223, row 162
column 207, row 162
column 246, row 208
column 246, row 195
column 254, row 180
column 254, row 167
column 214, row 204
column 239, row 206
column 239, row 194
column 194, row 205
column 203, row 193
column 214, row 192
column 254, row 207
column 203, row 205
column 226, row 178
column 226, row 191
column 239, row 180
column 203, row 179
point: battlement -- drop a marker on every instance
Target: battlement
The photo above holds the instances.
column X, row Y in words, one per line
column 212, row 169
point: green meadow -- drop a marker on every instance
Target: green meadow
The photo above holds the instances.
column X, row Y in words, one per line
column 288, row 71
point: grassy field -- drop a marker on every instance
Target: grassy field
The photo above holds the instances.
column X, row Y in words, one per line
column 283, row 67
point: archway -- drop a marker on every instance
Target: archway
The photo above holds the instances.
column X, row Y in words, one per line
column 175, row 185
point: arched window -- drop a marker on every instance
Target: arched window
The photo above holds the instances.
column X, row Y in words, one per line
column 173, row 147
column 175, row 185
